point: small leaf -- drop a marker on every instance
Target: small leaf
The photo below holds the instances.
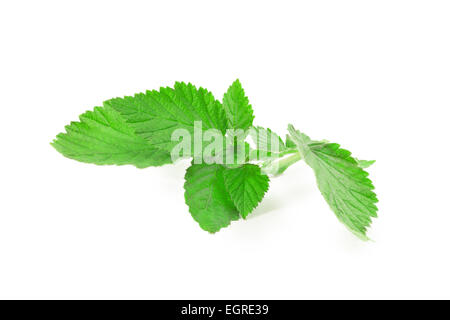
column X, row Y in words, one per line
column 208, row 200
column 289, row 142
column 237, row 107
column 246, row 186
column 267, row 142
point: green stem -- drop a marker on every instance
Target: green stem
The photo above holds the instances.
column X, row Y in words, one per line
column 278, row 166
column 283, row 164
column 288, row 151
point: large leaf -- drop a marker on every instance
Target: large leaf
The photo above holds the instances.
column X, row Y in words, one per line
column 157, row 114
column 342, row 182
column 103, row 137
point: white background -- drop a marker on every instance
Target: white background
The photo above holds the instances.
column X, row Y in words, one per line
column 373, row 76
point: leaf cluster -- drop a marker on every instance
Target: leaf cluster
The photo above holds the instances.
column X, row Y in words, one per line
column 137, row 130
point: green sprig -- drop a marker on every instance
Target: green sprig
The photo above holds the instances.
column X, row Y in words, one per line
column 138, row 131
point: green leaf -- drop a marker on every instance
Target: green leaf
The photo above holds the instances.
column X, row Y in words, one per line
column 266, row 140
column 343, row 184
column 157, row 114
column 268, row 143
column 103, row 137
column 246, row 186
column 208, row 200
column 238, row 110
column 289, row 142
